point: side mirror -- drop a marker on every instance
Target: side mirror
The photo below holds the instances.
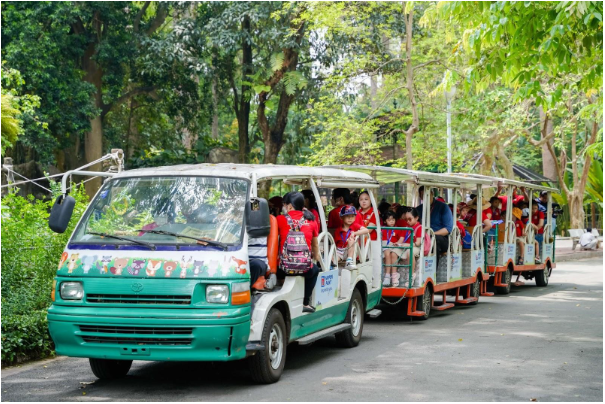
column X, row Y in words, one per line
column 60, row 214
column 258, row 223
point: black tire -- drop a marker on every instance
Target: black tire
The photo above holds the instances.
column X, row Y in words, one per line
column 355, row 315
column 542, row 276
column 506, row 278
column 267, row 366
column 109, row 368
column 425, row 302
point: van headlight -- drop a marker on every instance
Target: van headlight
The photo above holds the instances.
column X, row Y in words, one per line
column 72, row 291
column 217, row 294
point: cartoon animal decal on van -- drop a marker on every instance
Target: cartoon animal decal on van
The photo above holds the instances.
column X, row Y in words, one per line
column 185, row 264
column 153, row 266
column 136, row 267
column 63, row 259
column 105, row 260
column 87, row 262
column 120, row 264
column 73, row 261
column 241, row 265
column 169, row 266
column 197, row 267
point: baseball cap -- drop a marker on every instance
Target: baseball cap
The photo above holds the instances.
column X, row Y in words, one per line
column 347, row 210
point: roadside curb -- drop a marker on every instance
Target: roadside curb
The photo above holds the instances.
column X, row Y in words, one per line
column 580, row 255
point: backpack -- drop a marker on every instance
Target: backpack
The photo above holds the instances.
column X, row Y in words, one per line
column 295, row 255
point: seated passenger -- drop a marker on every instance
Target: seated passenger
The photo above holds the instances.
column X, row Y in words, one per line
column 413, row 219
column 296, row 216
column 340, row 197
column 400, row 216
column 346, row 236
column 466, row 238
column 441, row 222
column 366, row 215
column 391, row 237
column 520, row 234
column 495, row 208
column 537, row 221
column 471, row 217
column 311, row 204
column 383, row 208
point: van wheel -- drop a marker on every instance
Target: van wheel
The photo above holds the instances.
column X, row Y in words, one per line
column 426, row 302
column 355, row 315
column 109, row 368
column 542, row 276
column 506, row 278
column 268, row 365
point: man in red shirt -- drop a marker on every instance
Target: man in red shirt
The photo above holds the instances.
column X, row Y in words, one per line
column 340, row 197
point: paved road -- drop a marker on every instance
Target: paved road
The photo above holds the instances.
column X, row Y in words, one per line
column 542, row 343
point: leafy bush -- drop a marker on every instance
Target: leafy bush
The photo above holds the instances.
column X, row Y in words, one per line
column 30, row 253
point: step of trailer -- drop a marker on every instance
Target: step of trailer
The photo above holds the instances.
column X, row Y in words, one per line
column 417, row 314
column 487, row 293
column 443, row 306
column 468, row 300
column 374, row 313
column 323, row 333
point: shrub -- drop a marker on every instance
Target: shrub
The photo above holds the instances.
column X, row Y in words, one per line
column 30, row 254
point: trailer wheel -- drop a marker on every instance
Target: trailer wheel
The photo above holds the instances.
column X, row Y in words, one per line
column 426, row 302
column 267, row 366
column 355, row 315
column 109, row 368
column 542, row 276
column 506, row 278
column 476, row 290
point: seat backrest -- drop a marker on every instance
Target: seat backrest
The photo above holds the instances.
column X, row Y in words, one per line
column 576, row 232
column 273, row 245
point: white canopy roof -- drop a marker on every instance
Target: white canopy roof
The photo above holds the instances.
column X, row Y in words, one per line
column 387, row 175
column 260, row 171
column 494, row 181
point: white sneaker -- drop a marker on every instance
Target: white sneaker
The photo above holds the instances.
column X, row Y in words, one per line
column 386, row 281
column 350, row 265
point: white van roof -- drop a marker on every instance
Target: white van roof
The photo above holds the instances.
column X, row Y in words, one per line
column 260, row 171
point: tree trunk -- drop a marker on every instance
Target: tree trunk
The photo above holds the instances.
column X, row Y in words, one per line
column 409, row 81
column 214, row 108
column 548, row 164
column 243, row 113
column 93, row 140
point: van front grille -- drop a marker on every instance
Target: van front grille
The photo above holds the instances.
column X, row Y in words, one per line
column 139, row 299
column 136, row 340
column 103, row 329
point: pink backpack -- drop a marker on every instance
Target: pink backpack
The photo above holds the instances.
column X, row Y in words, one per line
column 295, row 255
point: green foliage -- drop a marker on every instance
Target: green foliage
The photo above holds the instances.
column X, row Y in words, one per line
column 534, row 47
column 30, row 253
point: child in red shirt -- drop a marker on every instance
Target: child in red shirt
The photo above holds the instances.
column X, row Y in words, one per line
column 391, row 237
column 366, row 216
column 346, row 236
column 520, row 233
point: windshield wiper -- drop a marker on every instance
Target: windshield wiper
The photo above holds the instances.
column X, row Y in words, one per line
column 145, row 243
column 201, row 240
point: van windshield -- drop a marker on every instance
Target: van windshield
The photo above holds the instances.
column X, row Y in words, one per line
column 145, row 209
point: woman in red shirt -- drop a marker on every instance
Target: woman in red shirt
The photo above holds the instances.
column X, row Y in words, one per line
column 366, row 216
column 294, row 207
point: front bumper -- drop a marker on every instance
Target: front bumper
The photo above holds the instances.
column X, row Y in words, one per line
column 150, row 334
